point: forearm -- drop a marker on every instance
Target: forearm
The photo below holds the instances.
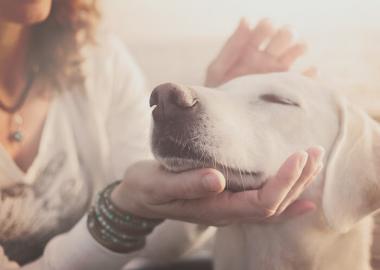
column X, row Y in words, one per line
column 78, row 250
column 93, row 247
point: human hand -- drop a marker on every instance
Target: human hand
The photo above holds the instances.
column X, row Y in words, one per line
column 198, row 196
column 245, row 53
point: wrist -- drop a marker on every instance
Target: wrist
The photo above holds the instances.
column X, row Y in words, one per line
column 117, row 229
column 124, row 199
column 121, row 201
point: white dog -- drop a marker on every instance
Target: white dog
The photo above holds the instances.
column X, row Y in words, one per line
column 248, row 128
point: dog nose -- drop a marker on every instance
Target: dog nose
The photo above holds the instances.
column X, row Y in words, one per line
column 171, row 101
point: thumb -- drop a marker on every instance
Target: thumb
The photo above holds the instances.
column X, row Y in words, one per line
column 193, row 184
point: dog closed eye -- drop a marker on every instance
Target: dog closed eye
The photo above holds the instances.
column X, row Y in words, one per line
column 272, row 98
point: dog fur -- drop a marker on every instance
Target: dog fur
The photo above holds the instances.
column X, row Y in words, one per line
column 240, row 129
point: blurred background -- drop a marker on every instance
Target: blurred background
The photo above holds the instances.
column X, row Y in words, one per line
column 174, row 40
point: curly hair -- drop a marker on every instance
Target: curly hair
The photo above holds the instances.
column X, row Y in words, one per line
column 56, row 43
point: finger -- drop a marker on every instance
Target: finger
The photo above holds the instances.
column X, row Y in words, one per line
column 228, row 55
column 217, row 210
column 297, row 208
column 292, row 54
column 262, row 32
column 224, row 208
column 192, row 184
column 311, row 169
column 297, row 191
column 278, row 187
column 280, row 42
column 311, row 72
column 234, row 206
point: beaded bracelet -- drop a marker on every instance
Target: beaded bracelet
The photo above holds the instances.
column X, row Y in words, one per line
column 113, row 213
column 116, row 229
column 112, row 242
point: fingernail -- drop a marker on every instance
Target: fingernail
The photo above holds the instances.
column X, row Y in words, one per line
column 211, row 182
column 303, row 159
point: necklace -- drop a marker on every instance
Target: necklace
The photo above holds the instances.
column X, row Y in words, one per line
column 16, row 120
column 15, row 134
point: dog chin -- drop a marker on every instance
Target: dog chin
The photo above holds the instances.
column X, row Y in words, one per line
column 174, row 164
column 237, row 180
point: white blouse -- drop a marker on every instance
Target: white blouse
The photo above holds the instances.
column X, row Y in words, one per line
column 89, row 139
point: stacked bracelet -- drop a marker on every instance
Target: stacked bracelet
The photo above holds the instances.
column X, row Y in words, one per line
column 116, row 229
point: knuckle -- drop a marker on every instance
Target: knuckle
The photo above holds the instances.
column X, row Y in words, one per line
column 265, row 212
column 260, row 209
column 150, row 192
column 277, row 214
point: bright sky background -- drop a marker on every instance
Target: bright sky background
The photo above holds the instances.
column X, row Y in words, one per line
column 215, row 17
column 343, row 36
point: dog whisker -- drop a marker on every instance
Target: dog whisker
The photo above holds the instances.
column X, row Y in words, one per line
column 241, row 179
column 190, row 154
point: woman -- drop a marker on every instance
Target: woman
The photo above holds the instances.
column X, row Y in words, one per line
column 74, row 116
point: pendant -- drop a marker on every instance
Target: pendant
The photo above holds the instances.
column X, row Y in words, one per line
column 16, row 136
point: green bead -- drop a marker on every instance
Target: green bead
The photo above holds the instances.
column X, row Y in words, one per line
column 16, row 136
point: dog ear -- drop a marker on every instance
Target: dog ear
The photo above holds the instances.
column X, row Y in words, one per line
column 352, row 180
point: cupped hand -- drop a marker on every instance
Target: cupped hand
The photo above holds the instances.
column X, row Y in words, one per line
column 199, row 196
column 254, row 50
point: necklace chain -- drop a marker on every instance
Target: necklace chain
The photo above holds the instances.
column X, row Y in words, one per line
column 16, row 121
column 21, row 100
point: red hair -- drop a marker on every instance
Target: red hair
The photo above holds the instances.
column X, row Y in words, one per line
column 57, row 42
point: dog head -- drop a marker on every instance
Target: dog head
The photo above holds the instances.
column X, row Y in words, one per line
column 246, row 128
column 250, row 125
